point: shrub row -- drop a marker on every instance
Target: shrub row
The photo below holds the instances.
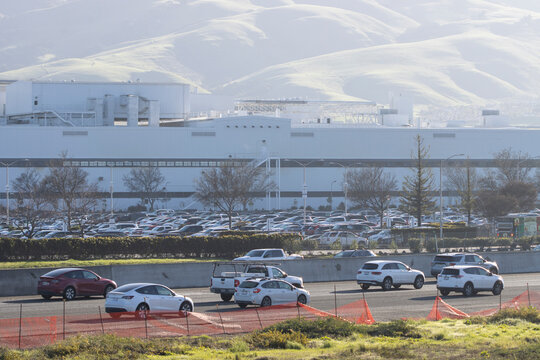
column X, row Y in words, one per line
column 228, row 246
column 416, row 245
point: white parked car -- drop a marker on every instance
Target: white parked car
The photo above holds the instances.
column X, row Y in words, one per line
column 388, row 273
column 268, row 254
column 468, row 280
column 344, row 237
column 267, row 292
column 536, row 248
column 140, row 298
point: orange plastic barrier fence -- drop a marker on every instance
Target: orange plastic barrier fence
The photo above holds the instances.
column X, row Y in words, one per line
column 527, row 298
column 357, row 312
column 442, row 310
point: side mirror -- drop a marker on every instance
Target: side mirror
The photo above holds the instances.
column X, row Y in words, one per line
column 490, row 274
column 285, row 274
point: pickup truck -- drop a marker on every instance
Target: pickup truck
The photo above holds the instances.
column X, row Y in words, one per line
column 225, row 282
column 268, row 254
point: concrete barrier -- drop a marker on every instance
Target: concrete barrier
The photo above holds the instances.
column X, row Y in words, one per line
column 24, row 281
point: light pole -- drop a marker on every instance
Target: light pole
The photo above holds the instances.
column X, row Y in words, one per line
column 440, row 201
column 332, row 195
column 112, row 192
column 7, row 165
column 345, row 183
column 304, row 187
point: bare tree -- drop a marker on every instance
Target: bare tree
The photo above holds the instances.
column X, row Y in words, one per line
column 464, row 180
column 148, row 182
column 371, row 188
column 70, row 185
column 231, row 185
column 31, row 201
column 511, row 166
column 417, row 188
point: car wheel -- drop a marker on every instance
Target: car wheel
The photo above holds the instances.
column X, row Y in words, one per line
column 497, row 288
column 302, row 299
column 266, row 302
column 242, row 306
column 115, row 315
column 494, row 270
column 418, row 282
column 364, row 286
column 396, row 286
column 107, row 290
column 468, row 289
column 444, row 292
column 69, row 293
column 186, row 306
column 142, row 311
column 226, row 297
column 46, row 297
column 387, row 284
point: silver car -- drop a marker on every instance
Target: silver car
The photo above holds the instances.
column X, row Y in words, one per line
column 450, row 259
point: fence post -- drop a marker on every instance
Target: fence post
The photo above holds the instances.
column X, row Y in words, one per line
column 146, row 323
column 64, row 319
column 101, row 319
column 187, row 322
column 20, row 325
column 500, row 301
column 528, row 295
column 335, row 300
column 260, row 322
column 298, row 309
column 220, row 318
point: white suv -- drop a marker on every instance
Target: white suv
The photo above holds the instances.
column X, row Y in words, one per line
column 388, row 273
column 468, row 280
column 267, row 292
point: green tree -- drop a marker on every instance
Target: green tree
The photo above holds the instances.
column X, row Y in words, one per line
column 418, row 187
column 464, row 180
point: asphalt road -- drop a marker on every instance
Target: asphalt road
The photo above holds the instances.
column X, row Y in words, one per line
column 394, row 304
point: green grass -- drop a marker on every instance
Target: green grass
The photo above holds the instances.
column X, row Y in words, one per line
column 507, row 336
column 100, row 262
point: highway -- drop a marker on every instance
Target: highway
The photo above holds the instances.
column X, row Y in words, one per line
column 395, row 304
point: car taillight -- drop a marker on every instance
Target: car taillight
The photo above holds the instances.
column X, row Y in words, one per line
column 236, row 283
column 376, row 273
column 359, row 272
column 256, row 291
column 452, row 264
column 127, row 297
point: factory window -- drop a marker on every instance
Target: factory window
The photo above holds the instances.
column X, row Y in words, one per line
column 75, row 163
column 170, row 163
column 110, row 163
column 253, row 126
column 162, row 163
column 136, row 163
column 187, row 163
column 204, row 163
column 245, row 126
column 93, row 163
column 195, row 163
column 228, row 126
column 101, row 163
column 153, row 163
column 269, row 126
column 119, row 163
column 261, row 126
column 128, row 163
column 211, row 163
column 35, row 102
column 236, row 126
column 84, row 163
column 144, row 163
column 66, row 163
column 277, row 126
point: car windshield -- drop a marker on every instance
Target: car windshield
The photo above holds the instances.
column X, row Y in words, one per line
column 447, row 258
column 370, row 266
column 56, row 272
column 255, row 253
column 248, row 284
column 126, row 288
column 450, row 272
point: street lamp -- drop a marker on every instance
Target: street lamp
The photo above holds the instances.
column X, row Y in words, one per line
column 7, row 165
column 440, row 201
column 332, row 195
column 112, row 192
column 345, row 184
column 304, row 187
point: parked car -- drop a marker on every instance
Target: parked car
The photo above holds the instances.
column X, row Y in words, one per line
column 450, row 259
column 344, row 237
column 73, row 282
column 468, row 280
column 536, row 248
column 388, row 273
column 267, row 292
column 139, row 298
column 383, row 237
column 354, row 253
column 268, row 254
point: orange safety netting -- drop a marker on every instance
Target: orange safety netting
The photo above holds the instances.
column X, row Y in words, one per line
column 357, row 312
column 442, row 310
column 525, row 299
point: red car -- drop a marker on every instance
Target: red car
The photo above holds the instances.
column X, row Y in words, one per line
column 72, row 282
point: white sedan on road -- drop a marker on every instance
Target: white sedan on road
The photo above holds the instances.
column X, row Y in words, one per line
column 267, row 292
column 140, row 298
column 388, row 273
column 468, row 279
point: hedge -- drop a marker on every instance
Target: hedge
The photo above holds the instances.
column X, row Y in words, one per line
column 481, row 243
column 228, row 246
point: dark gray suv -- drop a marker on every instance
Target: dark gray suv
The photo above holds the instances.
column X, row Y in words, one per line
column 450, row 259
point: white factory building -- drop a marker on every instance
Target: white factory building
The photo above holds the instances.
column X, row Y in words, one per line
column 109, row 128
